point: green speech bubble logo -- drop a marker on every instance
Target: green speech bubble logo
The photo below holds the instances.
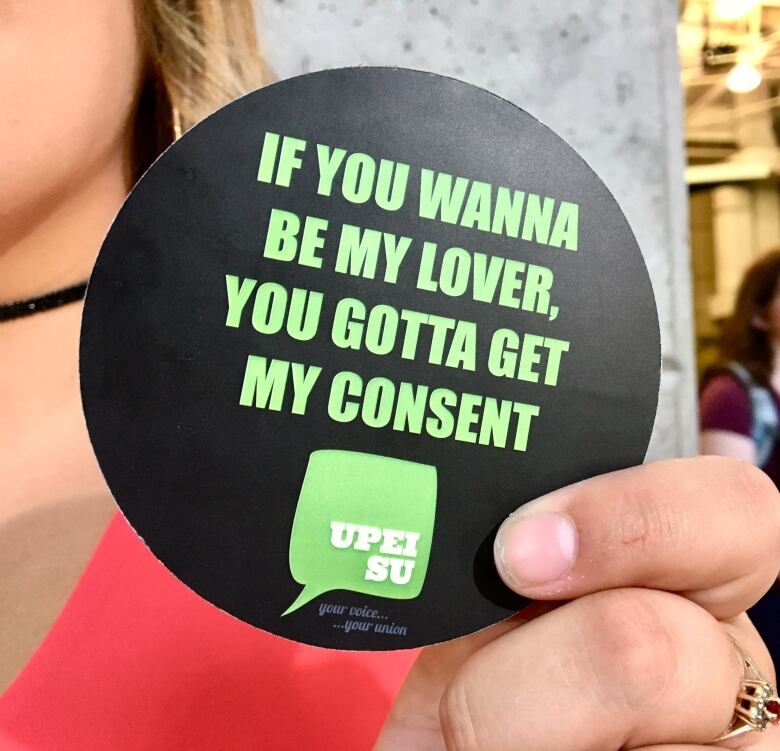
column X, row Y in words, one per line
column 364, row 523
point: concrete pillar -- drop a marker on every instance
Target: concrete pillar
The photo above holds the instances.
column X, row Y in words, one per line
column 602, row 73
column 766, row 215
column 732, row 220
column 746, row 224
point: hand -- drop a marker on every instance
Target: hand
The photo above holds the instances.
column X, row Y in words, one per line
column 659, row 564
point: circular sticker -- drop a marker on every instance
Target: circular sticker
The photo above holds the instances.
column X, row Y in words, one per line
column 341, row 329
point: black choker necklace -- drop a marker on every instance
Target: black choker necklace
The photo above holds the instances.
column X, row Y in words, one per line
column 30, row 306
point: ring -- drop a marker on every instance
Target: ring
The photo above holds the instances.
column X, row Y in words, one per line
column 757, row 701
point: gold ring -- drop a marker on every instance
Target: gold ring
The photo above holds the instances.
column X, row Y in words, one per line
column 757, row 701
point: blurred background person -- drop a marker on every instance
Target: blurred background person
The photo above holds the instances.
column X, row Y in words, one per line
column 740, row 396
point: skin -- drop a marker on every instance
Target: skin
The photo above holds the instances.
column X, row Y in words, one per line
column 638, row 653
column 726, row 443
column 68, row 91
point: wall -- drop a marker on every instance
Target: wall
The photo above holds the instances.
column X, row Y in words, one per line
column 601, row 73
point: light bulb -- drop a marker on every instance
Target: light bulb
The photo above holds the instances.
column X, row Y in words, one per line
column 731, row 10
column 743, row 78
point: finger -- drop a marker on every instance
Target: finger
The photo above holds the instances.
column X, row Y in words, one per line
column 746, row 634
column 616, row 670
column 768, row 741
column 707, row 527
column 413, row 722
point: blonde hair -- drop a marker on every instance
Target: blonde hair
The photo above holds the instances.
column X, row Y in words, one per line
column 200, row 55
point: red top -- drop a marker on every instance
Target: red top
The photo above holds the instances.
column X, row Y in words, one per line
column 138, row 661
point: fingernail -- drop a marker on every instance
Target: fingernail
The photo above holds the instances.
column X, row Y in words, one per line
column 536, row 549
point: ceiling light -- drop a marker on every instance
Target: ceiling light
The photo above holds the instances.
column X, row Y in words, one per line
column 731, row 10
column 743, row 78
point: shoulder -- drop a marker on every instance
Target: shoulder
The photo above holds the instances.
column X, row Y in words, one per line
column 725, row 405
column 725, row 387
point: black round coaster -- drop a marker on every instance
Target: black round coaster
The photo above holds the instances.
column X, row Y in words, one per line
column 341, row 329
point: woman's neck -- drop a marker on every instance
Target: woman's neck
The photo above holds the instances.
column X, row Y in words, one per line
column 57, row 246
